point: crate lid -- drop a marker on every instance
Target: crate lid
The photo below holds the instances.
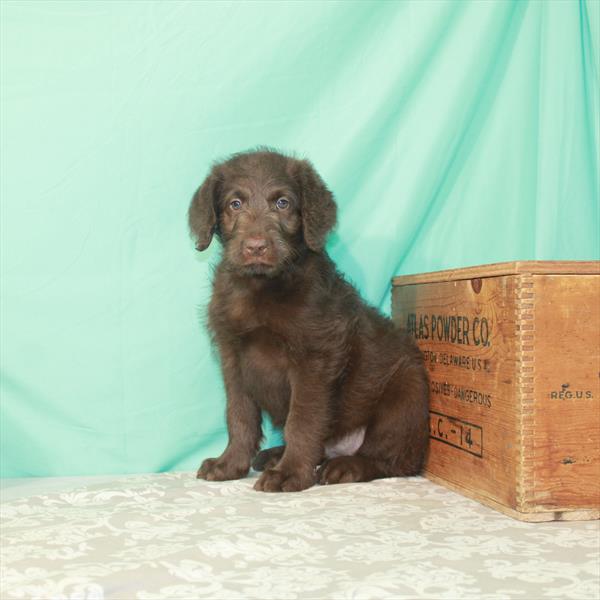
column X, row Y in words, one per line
column 531, row 267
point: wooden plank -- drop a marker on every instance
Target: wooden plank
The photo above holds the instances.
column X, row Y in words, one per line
column 514, row 366
column 569, row 267
column 529, row 517
column 564, row 447
column 468, row 339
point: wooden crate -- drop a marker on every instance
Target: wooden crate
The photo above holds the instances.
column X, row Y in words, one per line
column 513, row 353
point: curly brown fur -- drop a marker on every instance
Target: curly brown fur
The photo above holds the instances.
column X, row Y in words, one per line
column 295, row 339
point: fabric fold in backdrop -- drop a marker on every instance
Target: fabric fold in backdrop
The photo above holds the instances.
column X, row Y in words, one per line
column 452, row 134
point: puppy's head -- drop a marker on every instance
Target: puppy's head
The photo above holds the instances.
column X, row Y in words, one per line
column 267, row 209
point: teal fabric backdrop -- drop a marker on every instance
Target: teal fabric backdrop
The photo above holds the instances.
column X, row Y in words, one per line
column 452, row 133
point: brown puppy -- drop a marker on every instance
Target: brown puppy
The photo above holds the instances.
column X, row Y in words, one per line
column 296, row 340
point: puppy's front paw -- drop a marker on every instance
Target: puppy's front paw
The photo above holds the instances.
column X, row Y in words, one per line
column 217, row 469
column 267, row 459
column 343, row 469
column 283, row 480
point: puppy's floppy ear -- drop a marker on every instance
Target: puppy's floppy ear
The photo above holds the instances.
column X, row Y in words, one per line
column 202, row 215
column 318, row 206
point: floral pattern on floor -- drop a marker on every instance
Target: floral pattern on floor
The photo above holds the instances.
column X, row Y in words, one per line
column 169, row 535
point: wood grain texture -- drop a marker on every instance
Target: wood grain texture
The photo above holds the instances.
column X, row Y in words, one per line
column 532, row 267
column 514, row 363
column 473, row 379
column 529, row 517
column 565, row 436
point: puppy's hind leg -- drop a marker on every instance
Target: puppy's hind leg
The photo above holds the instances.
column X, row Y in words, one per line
column 267, row 459
column 397, row 436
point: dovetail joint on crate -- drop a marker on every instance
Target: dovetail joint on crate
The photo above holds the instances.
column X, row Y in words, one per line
column 525, row 335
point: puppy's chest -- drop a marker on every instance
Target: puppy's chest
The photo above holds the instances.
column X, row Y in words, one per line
column 242, row 317
column 262, row 351
column 262, row 338
column 245, row 315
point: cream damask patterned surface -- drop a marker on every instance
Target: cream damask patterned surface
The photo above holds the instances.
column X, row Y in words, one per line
column 151, row 537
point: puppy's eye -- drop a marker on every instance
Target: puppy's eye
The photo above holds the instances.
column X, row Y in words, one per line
column 235, row 204
column 282, row 203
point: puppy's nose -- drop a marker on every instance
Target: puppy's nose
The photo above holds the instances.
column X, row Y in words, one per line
column 255, row 246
